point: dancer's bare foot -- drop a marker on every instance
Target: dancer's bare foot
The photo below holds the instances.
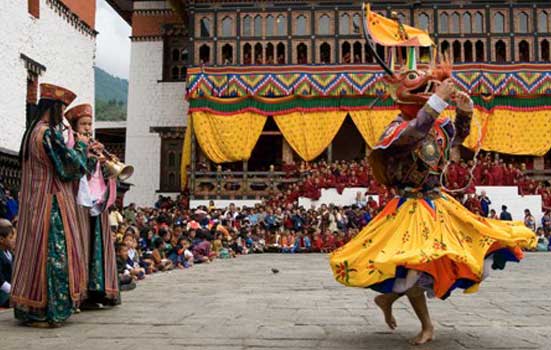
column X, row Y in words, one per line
column 425, row 336
column 385, row 304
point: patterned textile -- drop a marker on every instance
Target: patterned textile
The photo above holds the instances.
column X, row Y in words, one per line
column 49, row 171
column 516, row 80
column 96, row 281
column 309, row 134
column 439, row 237
column 227, row 139
column 59, row 305
column 423, row 233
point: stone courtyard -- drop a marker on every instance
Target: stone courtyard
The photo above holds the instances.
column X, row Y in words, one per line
column 241, row 304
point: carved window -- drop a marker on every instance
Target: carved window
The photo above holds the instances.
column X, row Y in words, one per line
column 524, row 51
column 455, row 23
column 269, row 53
column 443, row 22
column 479, row 49
column 269, row 25
column 281, row 57
column 227, row 54
column 499, row 23
column 227, row 27
column 204, row 54
column 357, row 50
column 281, row 25
column 301, row 25
column 206, row 31
column 247, row 54
column 302, row 53
column 247, row 25
column 545, row 50
column 543, row 22
column 171, row 151
column 344, row 24
column 258, row 26
column 468, row 51
column 523, row 22
column 456, row 51
column 501, row 51
column 423, row 19
column 323, row 27
column 325, row 53
column 176, row 58
column 467, row 22
column 356, row 23
column 478, row 23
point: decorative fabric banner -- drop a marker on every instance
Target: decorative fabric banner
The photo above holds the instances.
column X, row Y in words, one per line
column 371, row 123
column 309, row 134
column 518, row 132
column 186, row 156
column 227, row 139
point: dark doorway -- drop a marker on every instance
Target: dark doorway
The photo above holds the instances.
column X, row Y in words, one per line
column 348, row 144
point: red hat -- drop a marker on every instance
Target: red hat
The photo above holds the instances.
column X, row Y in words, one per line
column 77, row 112
column 57, row 93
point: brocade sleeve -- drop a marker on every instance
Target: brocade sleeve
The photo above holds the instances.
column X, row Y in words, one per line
column 69, row 164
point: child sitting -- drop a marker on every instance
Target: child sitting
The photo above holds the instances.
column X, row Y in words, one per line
column 7, row 246
column 133, row 261
column 181, row 256
column 159, row 257
column 125, row 277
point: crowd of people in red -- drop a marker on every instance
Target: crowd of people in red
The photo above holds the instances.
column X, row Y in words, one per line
column 489, row 170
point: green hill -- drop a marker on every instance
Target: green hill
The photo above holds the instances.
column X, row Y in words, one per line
column 111, row 96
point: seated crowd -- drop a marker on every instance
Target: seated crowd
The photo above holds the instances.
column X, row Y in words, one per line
column 490, row 170
column 171, row 236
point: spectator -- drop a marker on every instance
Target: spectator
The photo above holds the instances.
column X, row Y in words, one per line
column 485, row 204
column 546, row 222
column 529, row 220
column 543, row 241
column 7, row 246
column 505, row 215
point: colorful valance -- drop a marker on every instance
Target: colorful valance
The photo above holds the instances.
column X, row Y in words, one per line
column 357, row 80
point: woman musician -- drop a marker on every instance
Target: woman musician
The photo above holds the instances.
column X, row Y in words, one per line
column 96, row 193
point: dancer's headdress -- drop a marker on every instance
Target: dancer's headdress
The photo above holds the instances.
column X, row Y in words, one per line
column 409, row 85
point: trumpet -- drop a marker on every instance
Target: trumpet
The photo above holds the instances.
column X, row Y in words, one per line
column 115, row 168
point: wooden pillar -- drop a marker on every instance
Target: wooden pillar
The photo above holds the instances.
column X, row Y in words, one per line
column 193, row 160
column 245, row 185
column 539, row 163
column 330, row 153
column 286, row 152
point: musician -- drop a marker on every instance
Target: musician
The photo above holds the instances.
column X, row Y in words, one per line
column 96, row 193
column 48, row 274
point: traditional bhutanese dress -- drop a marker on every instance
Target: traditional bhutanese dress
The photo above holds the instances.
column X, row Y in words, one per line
column 95, row 196
column 424, row 236
column 49, row 270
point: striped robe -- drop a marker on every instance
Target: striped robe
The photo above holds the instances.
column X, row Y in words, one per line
column 110, row 293
column 41, row 182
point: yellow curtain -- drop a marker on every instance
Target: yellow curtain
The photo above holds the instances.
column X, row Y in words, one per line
column 309, row 134
column 518, row 132
column 371, row 123
column 186, row 156
column 227, row 138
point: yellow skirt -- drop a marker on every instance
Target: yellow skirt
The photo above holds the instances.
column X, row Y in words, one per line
column 437, row 238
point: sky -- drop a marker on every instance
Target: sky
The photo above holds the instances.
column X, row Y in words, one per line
column 112, row 42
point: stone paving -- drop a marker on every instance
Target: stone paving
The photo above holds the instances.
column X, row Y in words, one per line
column 241, row 304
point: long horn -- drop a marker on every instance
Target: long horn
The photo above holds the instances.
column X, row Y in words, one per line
column 372, row 46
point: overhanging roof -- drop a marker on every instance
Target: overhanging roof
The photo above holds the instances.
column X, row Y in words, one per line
column 124, row 8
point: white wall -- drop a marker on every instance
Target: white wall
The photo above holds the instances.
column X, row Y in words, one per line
column 508, row 195
column 331, row 196
column 150, row 103
column 67, row 53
